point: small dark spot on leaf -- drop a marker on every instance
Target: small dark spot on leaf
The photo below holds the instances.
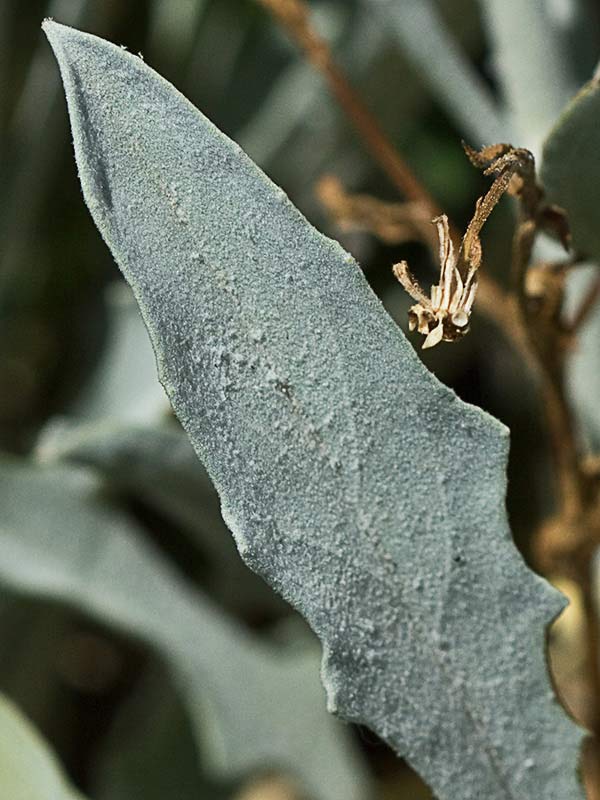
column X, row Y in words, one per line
column 285, row 388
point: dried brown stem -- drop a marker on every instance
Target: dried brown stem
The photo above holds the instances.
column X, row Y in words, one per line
column 591, row 749
column 485, row 206
column 547, row 341
column 507, row 166
column 564, row 447
column 591, row 768
column 541, row 330
column 566, row 544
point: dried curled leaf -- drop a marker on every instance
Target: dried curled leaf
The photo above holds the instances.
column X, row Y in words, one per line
column 357, row 485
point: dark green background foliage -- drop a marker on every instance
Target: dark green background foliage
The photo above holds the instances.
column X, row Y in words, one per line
column 78, row 381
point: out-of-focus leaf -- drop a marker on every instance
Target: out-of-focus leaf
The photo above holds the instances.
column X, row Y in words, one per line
column 531, row 60
column 157, row 463
column 571, row 167
column 454, row 82
column 159, row 467
column 279, row 116
column 173, row 28
column 224, row 43
column 251, row 705
column 583, row 374
column 5, row 32
column 571, row 177
column 33, row 132
column 299, row 110
column 125, row 385
column 31, row 634
column 572, row 19
column 28, row 769
column 359, row 486
column 299, row 95
column 151, row 753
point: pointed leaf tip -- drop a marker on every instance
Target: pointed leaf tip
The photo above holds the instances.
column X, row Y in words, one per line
column 53, row 29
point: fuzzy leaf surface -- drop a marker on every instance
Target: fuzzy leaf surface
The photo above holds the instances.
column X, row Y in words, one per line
column 362, row 489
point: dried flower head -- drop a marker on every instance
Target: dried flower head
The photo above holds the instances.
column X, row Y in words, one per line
column 445, row 314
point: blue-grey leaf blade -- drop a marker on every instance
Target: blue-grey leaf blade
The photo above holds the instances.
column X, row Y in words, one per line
column 360, row 487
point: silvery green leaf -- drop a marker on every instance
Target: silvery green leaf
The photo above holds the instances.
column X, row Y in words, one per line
column 252, row 705
column 362, row 489
column 531, row 59
column 455, row 83
column 28, row 769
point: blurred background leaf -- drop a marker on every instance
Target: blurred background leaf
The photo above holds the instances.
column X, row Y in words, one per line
column 571, row 177
column 28, row 768
column 251, row 704
column 529, row 54
column 571, row 167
